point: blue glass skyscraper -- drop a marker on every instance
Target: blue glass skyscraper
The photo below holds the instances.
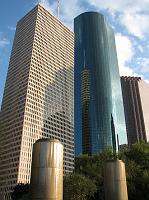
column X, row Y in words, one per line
column 98, row 98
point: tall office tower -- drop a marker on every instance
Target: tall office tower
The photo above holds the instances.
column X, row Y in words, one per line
column 136, row 97
column 38, row 96
column 98, row 103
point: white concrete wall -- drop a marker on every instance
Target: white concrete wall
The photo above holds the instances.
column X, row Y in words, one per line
column 144, row 94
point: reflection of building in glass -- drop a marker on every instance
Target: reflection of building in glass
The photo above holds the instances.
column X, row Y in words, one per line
column 85, row 101
column 97, row 85
column 38, row 93
column 136, row 100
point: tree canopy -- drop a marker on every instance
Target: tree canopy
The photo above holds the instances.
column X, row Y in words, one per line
column 86, row 182
column 78, row 187
column 20, row 192
column 136, row 160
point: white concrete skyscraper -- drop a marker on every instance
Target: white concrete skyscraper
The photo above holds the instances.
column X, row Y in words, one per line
column 38, row 96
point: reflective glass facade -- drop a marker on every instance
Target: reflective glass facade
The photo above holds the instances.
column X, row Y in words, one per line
column 97, row 85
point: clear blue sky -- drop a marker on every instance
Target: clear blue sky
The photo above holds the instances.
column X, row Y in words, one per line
column 129, row 19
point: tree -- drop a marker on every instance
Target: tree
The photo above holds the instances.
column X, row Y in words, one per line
column 78, row 187
column 19, row 191
column 87, row 181
column 137, row 170
column 92, row 167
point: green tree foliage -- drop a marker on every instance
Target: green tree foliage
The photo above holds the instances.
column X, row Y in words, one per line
column 92, row 167
column 78, row 187
column 137, row 170
column 87, row 181
column 20, row 192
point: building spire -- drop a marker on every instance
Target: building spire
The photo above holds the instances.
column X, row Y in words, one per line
column 58, row 3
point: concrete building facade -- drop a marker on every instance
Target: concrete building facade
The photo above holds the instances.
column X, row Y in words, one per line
column 136, row 97
column 38, row 96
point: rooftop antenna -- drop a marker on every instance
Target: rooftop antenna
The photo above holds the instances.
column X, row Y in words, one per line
column 58, row 3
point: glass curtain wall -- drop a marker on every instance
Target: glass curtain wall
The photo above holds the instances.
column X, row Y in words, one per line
column 97, row 79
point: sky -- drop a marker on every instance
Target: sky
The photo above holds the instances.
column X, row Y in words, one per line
column 129, row 19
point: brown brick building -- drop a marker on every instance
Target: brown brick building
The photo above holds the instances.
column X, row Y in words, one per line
column 136, row 98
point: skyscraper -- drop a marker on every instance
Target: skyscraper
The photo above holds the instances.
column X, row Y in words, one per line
column 38, row 96
column 136, row 97
column 98, row 98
